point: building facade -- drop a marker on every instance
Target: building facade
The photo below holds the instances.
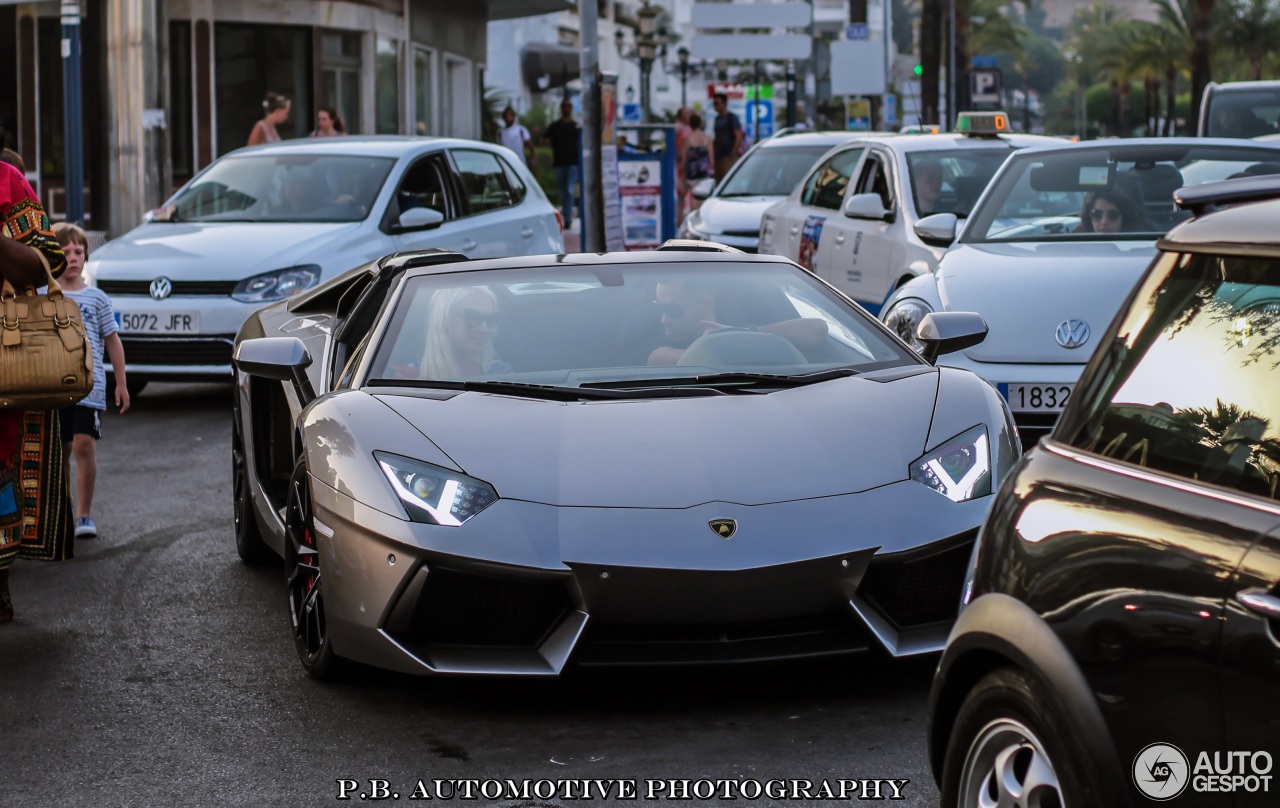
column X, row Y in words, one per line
column 170, row 85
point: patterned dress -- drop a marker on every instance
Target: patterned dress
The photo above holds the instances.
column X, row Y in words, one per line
column 35, row 514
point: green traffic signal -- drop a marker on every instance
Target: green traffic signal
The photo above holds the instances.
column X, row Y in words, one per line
column 919, row 70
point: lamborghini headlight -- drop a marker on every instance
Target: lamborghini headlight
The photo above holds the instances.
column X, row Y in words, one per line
column 434, row 495
column 904, row 318
column 959, row 469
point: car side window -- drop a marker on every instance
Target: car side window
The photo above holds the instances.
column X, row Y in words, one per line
column 484, row 182
column 424, row 186
column 826, row 186
column 874, row 179
column 1216, row 319
column 518, row 190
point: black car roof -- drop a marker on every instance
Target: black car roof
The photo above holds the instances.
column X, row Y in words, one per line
column 1241, row 229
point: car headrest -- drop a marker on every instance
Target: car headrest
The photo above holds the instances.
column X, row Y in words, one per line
column 1158, row 182
column 741, row 349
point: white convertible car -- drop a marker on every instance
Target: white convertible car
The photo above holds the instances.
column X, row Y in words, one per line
column 1051, row 251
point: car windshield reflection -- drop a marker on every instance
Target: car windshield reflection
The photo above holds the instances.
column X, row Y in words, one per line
column 1120, row 192
column 282, row 188
column 604, row 325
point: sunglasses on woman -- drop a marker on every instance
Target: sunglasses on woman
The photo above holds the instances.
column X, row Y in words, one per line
column 1112, row 215
column 474, row 319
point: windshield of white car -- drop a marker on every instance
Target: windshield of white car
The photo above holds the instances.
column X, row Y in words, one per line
column 1237, row 113
column 281, row 188
column 772, row 170
column 951, row 181
column 632, row 325
column 1106, row 192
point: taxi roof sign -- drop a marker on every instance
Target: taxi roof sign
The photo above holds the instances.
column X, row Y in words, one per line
column 982, row 124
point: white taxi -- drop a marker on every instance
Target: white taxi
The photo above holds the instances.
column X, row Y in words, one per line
column 855, row 220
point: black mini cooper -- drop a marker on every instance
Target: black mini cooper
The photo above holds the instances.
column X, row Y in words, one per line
column 1120, row 635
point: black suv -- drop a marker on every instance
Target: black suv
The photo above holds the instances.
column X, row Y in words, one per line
column 1120, row 634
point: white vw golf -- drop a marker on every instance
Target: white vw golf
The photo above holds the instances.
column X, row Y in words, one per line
column 264, row 223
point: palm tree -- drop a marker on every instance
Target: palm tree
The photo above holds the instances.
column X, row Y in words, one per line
column 1253, row 29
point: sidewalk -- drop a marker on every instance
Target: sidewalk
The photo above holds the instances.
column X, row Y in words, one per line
column 573, row 237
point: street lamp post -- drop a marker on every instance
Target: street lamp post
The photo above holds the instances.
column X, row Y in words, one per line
column 683, row 54
column 646, row 50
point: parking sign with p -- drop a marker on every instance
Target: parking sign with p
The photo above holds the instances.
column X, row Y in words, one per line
column 985, row 85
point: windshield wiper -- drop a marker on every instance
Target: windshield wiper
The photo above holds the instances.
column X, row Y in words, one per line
column 549, row 392
column 732, row 379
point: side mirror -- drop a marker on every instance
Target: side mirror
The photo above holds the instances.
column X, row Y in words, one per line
column 938, row 230
column 284, row 359
column 420, row 219
column 702, row 188
column 867, row 206
column 945, row 332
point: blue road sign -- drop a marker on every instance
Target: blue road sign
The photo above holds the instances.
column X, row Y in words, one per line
column 763, row 109
column 857, row 30
column 629, row 113
column 890, row 109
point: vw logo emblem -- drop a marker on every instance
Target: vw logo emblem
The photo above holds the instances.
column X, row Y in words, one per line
column 161, row 288
column 1070, row 333
column 724, row 528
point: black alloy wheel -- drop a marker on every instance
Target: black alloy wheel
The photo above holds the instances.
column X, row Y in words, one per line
column 305, row 581
column 249, row 544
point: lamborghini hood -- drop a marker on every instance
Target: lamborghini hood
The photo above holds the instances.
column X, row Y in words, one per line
column 1024, row 291
column 835, row 437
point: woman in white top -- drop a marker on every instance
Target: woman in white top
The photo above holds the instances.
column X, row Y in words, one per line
column 276, row 110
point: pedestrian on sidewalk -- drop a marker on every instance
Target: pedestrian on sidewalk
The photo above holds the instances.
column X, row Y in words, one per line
column 728, row 136
column 82, row 422
column 514, row 136
column 563, row 137
column 275, row 109
column 682, row 143
column 697, row 159
column 34, row 510
column 329, row 123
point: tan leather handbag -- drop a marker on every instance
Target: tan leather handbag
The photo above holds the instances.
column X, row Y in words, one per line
column 45, row 361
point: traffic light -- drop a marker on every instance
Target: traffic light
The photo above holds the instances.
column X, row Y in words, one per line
column 919, row 70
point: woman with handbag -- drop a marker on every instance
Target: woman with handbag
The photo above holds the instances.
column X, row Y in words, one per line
column 34, row 504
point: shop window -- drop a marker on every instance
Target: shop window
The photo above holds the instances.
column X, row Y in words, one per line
column 340, row 65
column 253, row 60
column 424, row 91
column 388, row 87
column 181, row 112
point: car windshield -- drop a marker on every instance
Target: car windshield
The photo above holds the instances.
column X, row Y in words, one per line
column 951, row 181
column 1253, row 113
column 623, row 324
column 1106, row 192
column 281, row 188
column 772, row 171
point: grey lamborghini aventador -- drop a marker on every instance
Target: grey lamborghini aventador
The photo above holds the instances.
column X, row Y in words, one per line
column 674, row 457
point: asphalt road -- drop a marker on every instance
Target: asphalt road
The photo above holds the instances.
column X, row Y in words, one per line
column 157, row 670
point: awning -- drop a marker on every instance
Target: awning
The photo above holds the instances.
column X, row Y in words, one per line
column 511, row 9
column 545, row 66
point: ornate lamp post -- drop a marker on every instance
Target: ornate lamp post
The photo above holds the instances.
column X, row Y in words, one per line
column 683, row 53
column 646, row 51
